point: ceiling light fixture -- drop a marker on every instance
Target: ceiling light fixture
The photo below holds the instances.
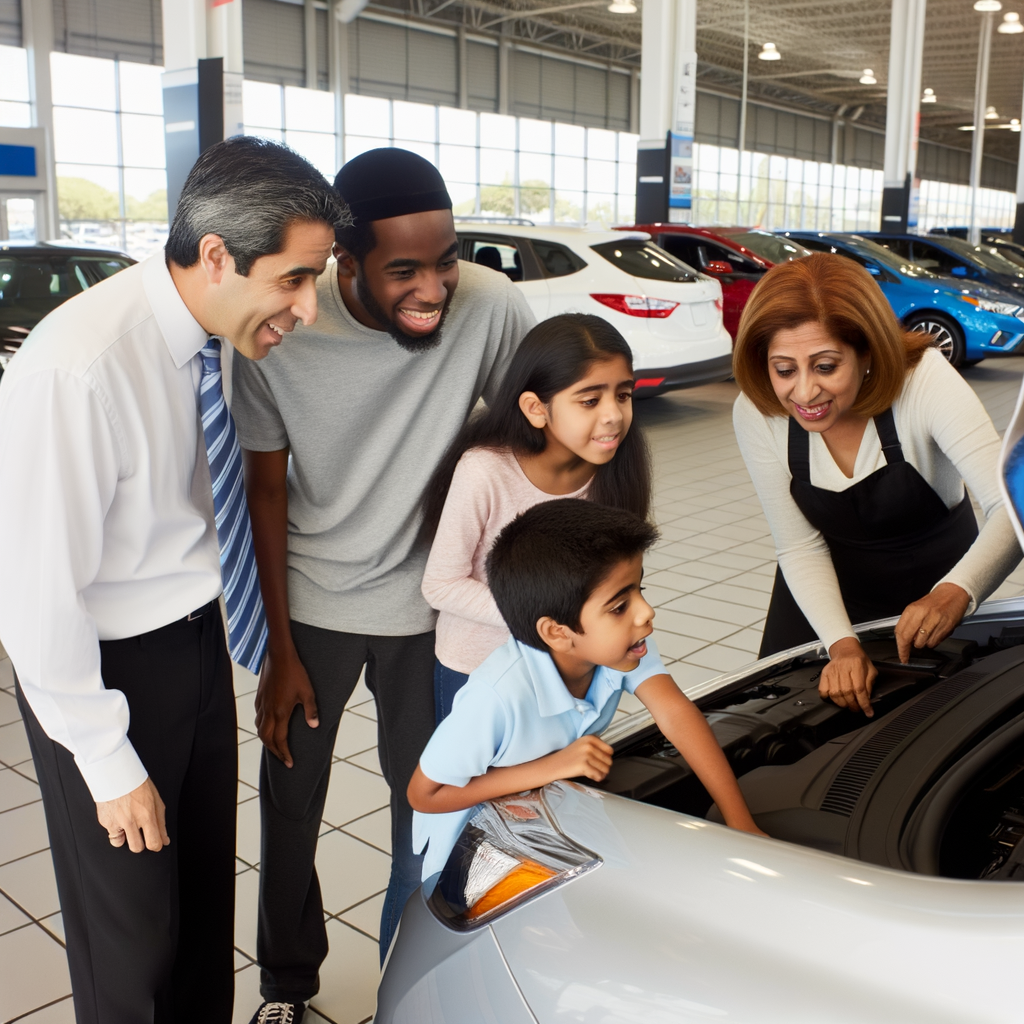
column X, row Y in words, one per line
column 1011, row 24
column 769, row 52
column 622, row 7
column 929, row 96
column 868, row 78
column 991, row 114
column 985, row 6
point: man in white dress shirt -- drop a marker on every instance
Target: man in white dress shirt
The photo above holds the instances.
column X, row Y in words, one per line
column 109, row 607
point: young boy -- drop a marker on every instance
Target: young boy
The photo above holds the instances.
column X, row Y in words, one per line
column 566, row 577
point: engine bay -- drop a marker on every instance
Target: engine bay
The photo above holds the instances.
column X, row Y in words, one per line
column 933, row 783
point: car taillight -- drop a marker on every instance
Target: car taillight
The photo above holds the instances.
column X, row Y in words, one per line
column 636, row 305
column 719, row 305
column 511, row 850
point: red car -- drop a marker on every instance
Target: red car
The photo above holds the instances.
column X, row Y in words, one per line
column 736, row 257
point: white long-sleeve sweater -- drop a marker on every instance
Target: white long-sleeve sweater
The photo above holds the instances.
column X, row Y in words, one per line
column 947, row 436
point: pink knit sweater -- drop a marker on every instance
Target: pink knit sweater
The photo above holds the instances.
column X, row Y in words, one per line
column 488, row 490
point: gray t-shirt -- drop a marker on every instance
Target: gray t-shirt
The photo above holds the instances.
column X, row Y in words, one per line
column 367, row 423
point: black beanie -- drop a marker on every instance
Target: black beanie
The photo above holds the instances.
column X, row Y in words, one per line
column 390, row 182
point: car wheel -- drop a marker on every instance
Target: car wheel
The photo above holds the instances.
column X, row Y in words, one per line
column 949, row 339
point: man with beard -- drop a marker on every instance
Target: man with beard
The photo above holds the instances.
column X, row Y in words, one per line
column 341, row 433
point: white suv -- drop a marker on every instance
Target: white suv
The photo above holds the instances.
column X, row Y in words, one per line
column 669, row 313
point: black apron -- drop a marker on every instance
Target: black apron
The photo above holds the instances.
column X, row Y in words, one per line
column 890, row 535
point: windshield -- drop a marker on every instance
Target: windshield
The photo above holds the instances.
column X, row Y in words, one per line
column 645, row 259
column 985, row 256
column 874, row 251
column 1014, row 255
column 768, row 246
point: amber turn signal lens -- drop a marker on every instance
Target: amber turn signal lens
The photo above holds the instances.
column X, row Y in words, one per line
column 520, row 880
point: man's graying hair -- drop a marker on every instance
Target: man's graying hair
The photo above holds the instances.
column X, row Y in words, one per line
column 247, row 191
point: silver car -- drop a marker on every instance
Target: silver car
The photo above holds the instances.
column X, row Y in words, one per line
column 885, row 895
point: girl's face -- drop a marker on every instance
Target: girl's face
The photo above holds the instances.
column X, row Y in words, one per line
column 816, row 377
column 590, row 418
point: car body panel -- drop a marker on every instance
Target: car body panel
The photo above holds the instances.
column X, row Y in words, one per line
column 691, row 336
column 690, row 921
column 908, row 295
column 686, row 920
column 454, row 978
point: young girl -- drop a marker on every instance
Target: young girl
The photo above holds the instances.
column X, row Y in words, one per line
column 559, row 427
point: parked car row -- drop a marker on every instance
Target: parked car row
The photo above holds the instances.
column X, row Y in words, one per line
column 969, row 318
column 676, row 292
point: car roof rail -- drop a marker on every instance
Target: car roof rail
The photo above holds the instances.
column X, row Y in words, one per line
column 518, row 221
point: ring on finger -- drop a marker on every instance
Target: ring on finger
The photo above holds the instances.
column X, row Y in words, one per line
column 922, row 630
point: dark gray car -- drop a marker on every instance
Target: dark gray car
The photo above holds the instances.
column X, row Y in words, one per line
column 35, row 279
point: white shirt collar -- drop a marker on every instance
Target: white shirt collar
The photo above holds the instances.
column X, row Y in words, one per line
column 181, row 332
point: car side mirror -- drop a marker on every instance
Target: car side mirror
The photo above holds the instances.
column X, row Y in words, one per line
column 959, row 272
column 719, row 267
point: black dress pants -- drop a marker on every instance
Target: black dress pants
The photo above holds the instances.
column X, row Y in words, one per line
column 292, row 938
column 150, row 935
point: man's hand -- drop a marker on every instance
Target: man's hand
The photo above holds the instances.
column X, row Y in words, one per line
column 141, row 810
column 929, row 621
column 588, row 756
column 283, row 684
column 847, row 679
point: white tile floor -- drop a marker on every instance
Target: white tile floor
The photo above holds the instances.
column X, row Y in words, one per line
column 710, row 580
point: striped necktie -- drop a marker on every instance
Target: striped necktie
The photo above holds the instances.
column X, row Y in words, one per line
column 247, row 624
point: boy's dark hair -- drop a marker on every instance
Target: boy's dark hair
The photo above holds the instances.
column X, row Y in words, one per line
column 553, row 356
column 551, row 558
column 248, row 191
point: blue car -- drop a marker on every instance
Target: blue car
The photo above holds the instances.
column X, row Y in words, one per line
column 969, row 319
column 956, row 257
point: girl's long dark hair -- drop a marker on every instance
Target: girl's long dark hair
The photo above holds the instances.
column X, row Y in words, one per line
column 555, row 355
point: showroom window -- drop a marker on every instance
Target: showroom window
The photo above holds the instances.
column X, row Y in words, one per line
column 499, row 166
column 495, row 166
column 944, row 204
column 14, row 95
column 787, row 193
column 778, row 192
column 300, row 118
column 108, row 133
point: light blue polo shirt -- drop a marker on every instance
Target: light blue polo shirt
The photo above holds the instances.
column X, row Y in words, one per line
column 514, row 708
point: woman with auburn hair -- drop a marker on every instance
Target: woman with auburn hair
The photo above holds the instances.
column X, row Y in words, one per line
column 859, row 437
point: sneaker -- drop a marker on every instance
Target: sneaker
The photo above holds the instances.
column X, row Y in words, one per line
column 279, row 1013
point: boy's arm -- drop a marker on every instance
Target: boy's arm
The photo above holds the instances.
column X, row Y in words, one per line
column 588, row 756
column 686, row 728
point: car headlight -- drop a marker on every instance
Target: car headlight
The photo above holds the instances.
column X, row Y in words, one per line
column 511, row 851
column 991, row 306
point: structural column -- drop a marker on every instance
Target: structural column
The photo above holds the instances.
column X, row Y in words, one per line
column 504, row 70
column 1018, row 223
column 902, row 115
column 37, row 38
column 339, row 78
column 202, row 84
column 978, row 140
column 668, row 67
